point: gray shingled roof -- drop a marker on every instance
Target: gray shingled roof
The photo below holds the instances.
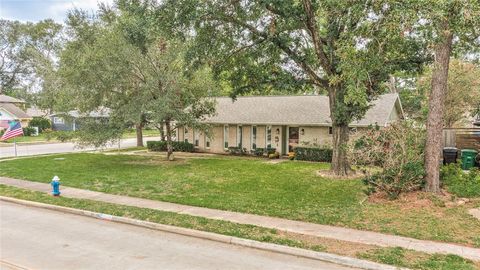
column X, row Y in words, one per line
column 8, row 99
column 101, row 112
column 295, row 110
column 12, row 109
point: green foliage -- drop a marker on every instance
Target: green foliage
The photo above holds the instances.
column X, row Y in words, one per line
column 28, row 131
column 120, row 61
column 41, row 123
column 28, row 52
column 460, row 183
column 463, row 95
column 60, row 135
column 397, row 150
column 263, row 47
column 394, row 181
column 161, row 146
column 313, row 154
column 234, row 150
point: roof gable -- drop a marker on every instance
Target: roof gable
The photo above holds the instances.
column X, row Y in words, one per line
column 14, row 111
column 9, row 99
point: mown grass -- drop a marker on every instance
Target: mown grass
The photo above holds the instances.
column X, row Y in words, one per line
column 392, row 256
column 289, row 190
column 406, row 258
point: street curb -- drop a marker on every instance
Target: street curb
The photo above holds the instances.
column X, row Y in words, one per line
column 13, row 266
column 310, row 254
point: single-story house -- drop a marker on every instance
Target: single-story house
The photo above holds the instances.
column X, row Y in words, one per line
column 72, row 120
column 280, row 122
column 13, row 109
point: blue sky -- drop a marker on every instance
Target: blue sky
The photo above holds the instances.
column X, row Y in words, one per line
column 36, row 10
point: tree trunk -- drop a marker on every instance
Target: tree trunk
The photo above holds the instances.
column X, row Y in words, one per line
column 433, row 147
column 169, row 140
column 162, row 132
column 139, row 131
column 340, row 165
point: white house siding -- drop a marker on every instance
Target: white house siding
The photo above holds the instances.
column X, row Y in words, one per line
column 318, row 135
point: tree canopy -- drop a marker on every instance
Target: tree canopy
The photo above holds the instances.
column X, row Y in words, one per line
column 346, row 49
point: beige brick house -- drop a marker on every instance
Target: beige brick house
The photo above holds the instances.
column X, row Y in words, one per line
column 280, row 122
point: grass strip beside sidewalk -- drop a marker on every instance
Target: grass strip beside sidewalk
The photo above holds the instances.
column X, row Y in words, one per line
column 392, row 256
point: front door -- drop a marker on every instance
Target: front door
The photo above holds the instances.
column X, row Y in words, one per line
column 292, row 138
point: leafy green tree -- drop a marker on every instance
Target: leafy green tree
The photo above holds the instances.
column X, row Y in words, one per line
column 28, row 53
column 462, row 97
column 451, row 24
column 103, row 67
column 346, row 49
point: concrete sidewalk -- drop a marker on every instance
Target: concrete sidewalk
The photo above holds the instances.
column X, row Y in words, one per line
column 339, row 233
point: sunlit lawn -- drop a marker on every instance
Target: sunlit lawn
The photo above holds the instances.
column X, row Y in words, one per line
column 289, row 189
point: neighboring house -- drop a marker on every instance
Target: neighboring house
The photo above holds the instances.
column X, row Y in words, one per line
column 36, row 112
column 13, row 109
column 72, row 120
column 280, row 122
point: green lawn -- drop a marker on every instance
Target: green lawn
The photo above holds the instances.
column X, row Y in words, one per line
column 22, row 139
column 289, row 190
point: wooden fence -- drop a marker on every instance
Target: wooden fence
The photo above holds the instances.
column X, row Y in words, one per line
column 462, row 138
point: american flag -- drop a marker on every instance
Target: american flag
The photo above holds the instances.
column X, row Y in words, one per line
column 14, row 130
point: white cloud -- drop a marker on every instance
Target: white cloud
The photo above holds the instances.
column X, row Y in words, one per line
column 59, row 9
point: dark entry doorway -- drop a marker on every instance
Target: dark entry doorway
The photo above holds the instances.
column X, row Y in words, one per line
column 292, row 138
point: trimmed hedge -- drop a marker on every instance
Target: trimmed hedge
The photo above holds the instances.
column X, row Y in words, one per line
column 313, row 154
column 161, row 146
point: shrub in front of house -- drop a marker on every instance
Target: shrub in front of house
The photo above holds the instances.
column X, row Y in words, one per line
column 391, row 158
column 313, row 154
column 234, row 150
column 28, row 131
column 41, row 123
column 161, row 146
column 460, row 183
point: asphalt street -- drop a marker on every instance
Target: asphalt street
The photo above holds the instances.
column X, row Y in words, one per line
column 51, row 148
column 36, row 238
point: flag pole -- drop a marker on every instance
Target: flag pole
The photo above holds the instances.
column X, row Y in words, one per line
column 15, row 145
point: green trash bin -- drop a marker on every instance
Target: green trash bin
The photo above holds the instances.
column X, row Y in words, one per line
column 468, row 158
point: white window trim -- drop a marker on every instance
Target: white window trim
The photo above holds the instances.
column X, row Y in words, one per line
column 266, row 136
column 58, row 120
column 226, row 131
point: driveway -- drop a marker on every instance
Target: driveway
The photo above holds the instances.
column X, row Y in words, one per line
column 37, row 238
column 51, row 148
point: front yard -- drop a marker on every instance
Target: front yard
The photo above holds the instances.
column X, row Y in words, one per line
column 288, row 189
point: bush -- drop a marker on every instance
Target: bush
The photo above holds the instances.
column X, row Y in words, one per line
column 41, row 123
column 28, row 131
column 161, row 146
column 459, row 182
column 313, row 154
column 274, row 155
column 397, row 152
column 234, row 150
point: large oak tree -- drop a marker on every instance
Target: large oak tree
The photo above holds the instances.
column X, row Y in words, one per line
column 346, row 49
